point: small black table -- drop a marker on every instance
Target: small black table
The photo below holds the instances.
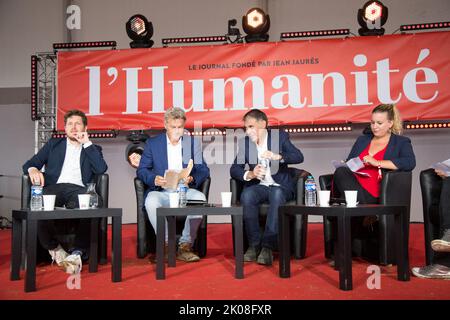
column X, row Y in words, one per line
column 344, row 251
column 162, row 213
column 32, row 217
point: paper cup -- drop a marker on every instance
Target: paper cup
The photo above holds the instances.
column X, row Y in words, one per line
column 351, row 197
column 49, row 202
column 324, row 198
column 174, row 199
column 226, row 199
column 83, row 200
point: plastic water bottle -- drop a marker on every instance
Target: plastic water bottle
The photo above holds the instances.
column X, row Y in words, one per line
column 182, row 189
column 36, row 197
column 310, row 191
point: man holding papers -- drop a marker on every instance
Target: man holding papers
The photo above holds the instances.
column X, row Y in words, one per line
column 173, row 151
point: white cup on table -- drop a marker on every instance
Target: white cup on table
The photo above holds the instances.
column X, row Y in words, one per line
column 351, row 197
column 83, row 201
column 49, row 202
column 226, row 199
column 174, row 199
column 324, row 198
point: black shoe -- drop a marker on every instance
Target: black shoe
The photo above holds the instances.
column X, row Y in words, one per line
column 251, row 254
column 265, row 257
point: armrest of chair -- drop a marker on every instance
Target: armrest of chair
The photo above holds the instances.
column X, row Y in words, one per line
column 236, row 188
column 26, row 190
column 204, row 187
column 325, row 181
column 139, row 187
column 430, row 185
column 102, row 188
column 396, row 188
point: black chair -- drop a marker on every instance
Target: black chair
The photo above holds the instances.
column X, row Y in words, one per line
column 102, row 188
column 300, row 223
column 146, row 237
column 395, row 190
column 430, row 185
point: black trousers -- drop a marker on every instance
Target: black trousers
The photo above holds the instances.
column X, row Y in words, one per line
column 75, row 233
column 444, row 214
column 364, row 237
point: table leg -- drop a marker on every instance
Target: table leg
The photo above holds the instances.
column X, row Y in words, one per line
column 116, row 249
column 239, row 247
column 160, row 239
column 16, row 249
column 344, row 253
column 285, row 258
column 30, row 272
column 172, row 246
column 93, row 251
column 402, row 246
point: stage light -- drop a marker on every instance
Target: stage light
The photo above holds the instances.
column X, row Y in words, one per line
column 256, row 24
column 234, row 35
column 371, row 17
column 140, row 30
column 134, row 150
column 34, row 88
column 167, row 41
column 90, row 44
column 427, row 125
column 424, row 26
column 93, row 135
column 320, row 128
column 316, row 33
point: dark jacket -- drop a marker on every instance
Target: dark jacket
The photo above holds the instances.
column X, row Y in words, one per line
column 399, row 150
column 52, row 156
column 154, row 161
column 277, row 142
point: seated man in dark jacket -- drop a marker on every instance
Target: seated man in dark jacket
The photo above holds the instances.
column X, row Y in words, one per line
column 70, row 163
column 267, row 154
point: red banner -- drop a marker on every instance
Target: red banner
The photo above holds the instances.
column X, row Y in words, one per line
column 295, row 82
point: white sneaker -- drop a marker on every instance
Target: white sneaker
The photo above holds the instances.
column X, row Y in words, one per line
column 72, row 264
column 58, row 255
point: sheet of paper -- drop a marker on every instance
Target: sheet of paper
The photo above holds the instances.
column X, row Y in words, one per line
column 443, row 166
column 173, row 177
column 353, row 164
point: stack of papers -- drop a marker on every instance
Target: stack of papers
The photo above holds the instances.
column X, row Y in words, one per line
column 173, row 177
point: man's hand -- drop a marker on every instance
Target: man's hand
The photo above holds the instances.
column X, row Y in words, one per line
column 36, row 176
column 440, row 173
column 258, row 172
column 135, row 158
column 270, row 155
column 160, row 181
column 188, row 180
column 82, row 137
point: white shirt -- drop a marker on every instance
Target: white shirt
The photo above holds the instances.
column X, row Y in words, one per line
column 268, row 180
column 71, row 170
column 174, row 155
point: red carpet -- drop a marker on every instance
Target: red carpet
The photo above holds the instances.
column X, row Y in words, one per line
column 213, row 276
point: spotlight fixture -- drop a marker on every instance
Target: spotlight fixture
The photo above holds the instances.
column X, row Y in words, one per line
column 167, row 41
column 34, row 88
column 424, row 26
column 320, row 128
column 371, row 17
column 317, row 33
column 93, row 135
column 256, row 24
column 90, row 44
column 140, row 30
column 427, row 125
column 135, row 149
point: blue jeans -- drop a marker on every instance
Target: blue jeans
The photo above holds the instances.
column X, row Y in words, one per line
column 251, row 198
column 156, row 199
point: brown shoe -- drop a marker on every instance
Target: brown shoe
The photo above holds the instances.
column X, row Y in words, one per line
column 185, row 253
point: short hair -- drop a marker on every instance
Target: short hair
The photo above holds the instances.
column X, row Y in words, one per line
column 257, row 115
column 78, row 113
column 174, row 113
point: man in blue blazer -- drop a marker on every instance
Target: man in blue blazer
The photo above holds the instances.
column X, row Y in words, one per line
column 267, row 154
column 70, row 163
column 172, row 150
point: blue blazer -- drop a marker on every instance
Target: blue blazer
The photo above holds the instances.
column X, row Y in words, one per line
column 53, row 153
column 277, row 142
column 399, row 150
column 154, row 161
